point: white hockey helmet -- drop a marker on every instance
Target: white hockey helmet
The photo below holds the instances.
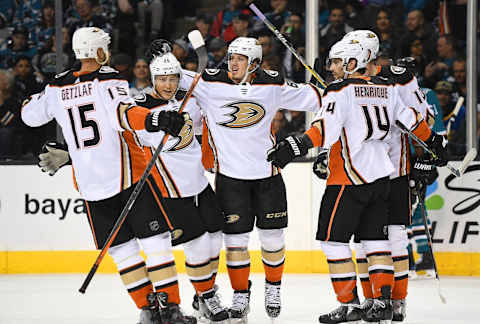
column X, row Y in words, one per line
column 245, row 46
column 87, row 40
column 347, row 50
column 368, row 39
column 165, row 65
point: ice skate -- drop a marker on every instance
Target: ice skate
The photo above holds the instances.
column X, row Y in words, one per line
column 196, row 307
column 381, row 311
column 171, row 313
column 150, row 314
column 399, row 310
column 240, row 306
column 364, row 307
column 272, row 300
column 211, row 308
column 345, row 313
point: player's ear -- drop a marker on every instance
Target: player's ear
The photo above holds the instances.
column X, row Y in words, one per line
column 102, row 57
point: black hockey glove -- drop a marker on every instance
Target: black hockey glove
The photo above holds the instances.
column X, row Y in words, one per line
column 54, row 156
column 170, row 122
column 288, row 149
column 424, row 171
column 158, row 47
column 438, row 144
column 320, row 166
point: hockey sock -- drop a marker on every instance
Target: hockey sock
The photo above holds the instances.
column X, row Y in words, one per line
column 161, row 265
column 215, row 247
column 273, row 254
column 342, row 270
column 380, row 265
column 362, row 266
column 238, row 260
column 198, row 264
column 398, row 237
column 133, row 271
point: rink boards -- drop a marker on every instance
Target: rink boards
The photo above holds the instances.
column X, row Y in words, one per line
column 44, row 228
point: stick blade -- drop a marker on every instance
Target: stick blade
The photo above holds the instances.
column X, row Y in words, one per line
column 469, row 157
column 195, row 37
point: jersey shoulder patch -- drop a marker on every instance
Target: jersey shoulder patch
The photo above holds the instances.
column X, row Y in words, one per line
column 268, row 77
column 141, row 97
column 149, row 101
column 397, row 69
column 62, row 74
column 216, row 75
column 107, row 69
column 63, row 79
column 397, row 74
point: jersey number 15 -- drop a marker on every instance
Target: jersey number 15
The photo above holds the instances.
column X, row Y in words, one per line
column 85, row 123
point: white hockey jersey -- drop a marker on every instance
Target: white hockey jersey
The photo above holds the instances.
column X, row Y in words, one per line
column 356, row 120
column 89, row 108
column 412, row 96
column 178, row 170
column 239, row 118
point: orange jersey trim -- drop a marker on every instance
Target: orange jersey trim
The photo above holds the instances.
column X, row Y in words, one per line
column 316, row 133
column 332, row 216
column 136, row 117
column 422, row 131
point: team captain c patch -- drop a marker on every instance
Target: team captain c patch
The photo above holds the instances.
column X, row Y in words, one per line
column 244, row 114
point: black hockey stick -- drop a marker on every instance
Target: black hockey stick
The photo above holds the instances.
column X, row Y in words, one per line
column 288, row 45
column 421, row 201
column 197, row 41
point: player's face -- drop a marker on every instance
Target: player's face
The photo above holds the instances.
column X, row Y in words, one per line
column 238, row 66
column 166, row 85
column 336, row 67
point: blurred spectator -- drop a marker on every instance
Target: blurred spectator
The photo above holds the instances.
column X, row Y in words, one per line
column 384, row 58
column 217, row 56
column 203, row 23
column 223, row 24
column 278, row 16
column 123, row 64
column 180, row 50
column 141, row 81
column 146, row 11
column 446, row 49
column 7, row 10
column 272, row 62
column 191, row 63
column 26, row 84
column 386, row 32
column 439, row 69
column 295, row 122
column 17, row 46
column 323, row 13
column 45, row 29
column 278, row 125
column 371, row 8
column 267, row 44
column 124, row 36
column 45, row 62
column 417, row 52
column 294, row 29
column 9, row 116
column 460, row 77
column 444, row 92
column 240, row 27
column 87, row 18
column 418, row 29
column 335, row 29
column 27, row 13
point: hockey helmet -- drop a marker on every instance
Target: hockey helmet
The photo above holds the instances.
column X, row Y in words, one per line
column 165, row 65
column 87, row 40
column 347, row 50
column 367, row 39
column 245, row 46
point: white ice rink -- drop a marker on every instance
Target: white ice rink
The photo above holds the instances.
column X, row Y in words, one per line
column 54, row 299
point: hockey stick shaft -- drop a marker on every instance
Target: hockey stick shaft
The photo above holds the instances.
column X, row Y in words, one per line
column 455, row 111
column 287, row 44
column 421, row 200
column 201, row 51
column 404, row 129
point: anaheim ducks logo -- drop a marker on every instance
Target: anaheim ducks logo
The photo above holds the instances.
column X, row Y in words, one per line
column 244, row 114
column 176, row 233
column 185, row 137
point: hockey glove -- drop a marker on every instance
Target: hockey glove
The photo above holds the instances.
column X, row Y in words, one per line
column 54, row 155
column 288, row 149
column 438, row 144
column 170, row 122
column 320, row 166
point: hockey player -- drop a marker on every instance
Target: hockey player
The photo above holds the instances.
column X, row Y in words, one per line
column 98, row 119
column 189, row 201
column 356, row 118
column 239, row 105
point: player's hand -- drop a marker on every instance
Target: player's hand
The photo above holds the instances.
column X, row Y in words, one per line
column 320, row 166
column 438, row 144
column 170, row 122
column 54, row 155
column 424, row 171
column 286, row 150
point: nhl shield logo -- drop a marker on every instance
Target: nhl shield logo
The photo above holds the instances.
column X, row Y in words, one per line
column 154, row 226
column 176, row 233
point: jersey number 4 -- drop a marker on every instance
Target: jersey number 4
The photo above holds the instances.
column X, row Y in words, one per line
column 382, row 125
column 85, row 123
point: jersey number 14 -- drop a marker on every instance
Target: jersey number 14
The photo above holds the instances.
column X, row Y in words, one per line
column 382, row 122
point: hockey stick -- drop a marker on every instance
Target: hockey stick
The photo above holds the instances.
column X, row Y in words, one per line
column 421, row 200
column 288, row 45
column 458, row 172
column 455, row 111
column 197, row 41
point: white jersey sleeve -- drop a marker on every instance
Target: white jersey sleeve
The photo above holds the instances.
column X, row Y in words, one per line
column 301, row 97
column 331, row 117
column 36, row 112
column 117, row 102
